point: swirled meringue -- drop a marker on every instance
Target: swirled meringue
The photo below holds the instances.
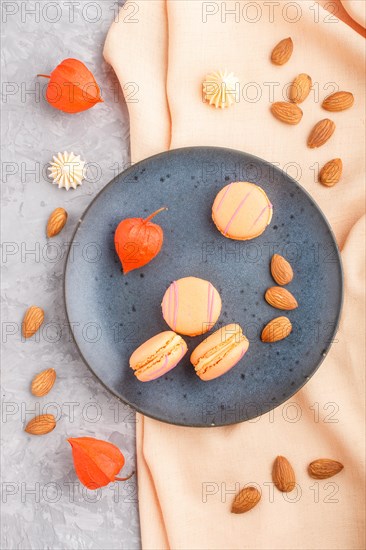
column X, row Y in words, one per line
column 221, row 88
column 67, row 170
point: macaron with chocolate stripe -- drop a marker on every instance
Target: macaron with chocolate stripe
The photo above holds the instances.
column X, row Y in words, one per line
column 191, row 306
column 242, row 211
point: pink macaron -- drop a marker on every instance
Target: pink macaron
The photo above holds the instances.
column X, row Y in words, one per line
column 220, row 352
column 158, row 356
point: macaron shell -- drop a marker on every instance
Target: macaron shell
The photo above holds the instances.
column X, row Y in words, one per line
column 215, row 339
column 214, row 346
column 191, row 306
column 167, row 363
column 242, row 211
column 163, row 351
column 150, row 347
column 227, row 363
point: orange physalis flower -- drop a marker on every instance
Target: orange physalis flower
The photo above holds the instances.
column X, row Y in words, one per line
column 72, row 87
column 96, row 462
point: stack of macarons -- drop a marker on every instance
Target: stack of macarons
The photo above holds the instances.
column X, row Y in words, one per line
column 191, row 306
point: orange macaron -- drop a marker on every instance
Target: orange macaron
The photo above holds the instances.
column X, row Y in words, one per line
column 157, row 356
column 242, row 211
column 191, row 306
column 219, row 352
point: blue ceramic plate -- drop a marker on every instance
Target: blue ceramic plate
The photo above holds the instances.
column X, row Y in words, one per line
column 111, row 314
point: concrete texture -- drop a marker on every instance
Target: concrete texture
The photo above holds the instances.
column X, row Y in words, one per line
column 43, row 505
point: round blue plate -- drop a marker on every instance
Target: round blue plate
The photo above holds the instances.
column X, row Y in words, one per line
column 111, row 314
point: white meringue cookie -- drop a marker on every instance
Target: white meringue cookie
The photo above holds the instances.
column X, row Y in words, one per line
column 67, row 170
column 221, row 89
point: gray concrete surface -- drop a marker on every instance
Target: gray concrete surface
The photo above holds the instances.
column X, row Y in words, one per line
column 43, row 505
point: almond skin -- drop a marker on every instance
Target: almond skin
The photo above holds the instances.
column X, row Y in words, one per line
column 33, row 319
column 322, row 468
column 245, row 500
column 282, row 52
column 331, row 172
column 283, row 475
column 56, row 222
column 321, row 132
column 289, row 113
column 40, row 425
column 339, row 101
column 277, row 329
column 280, row 298
column 43, row 382
column 281, row 270
column 300, row 88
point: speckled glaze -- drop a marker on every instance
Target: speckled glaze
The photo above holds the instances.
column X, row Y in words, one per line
column 125, row 310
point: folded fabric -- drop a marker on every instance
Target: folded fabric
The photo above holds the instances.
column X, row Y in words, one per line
column 356, row 10
column 187, row 476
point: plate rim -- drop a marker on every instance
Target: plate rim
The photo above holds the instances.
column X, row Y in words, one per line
column 276, row 169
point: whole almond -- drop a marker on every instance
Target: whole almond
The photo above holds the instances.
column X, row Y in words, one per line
column 331, row 172
column 43, row 382
column 322, row 468
column 283, row 475
column 339, row 101
column 282, row 52
column 32, row 320
column 245, row 500
column 280, row 298
column 56, row 222
column 290, row 113
column 277, row 329
column 300, row 88
column 321, row 132
column 281, row 270
column 40, row 425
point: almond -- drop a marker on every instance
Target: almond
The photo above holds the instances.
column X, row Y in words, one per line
column 300, row 88
column 283, row 475
column 324, row 468
column 277, row 329
column 40, row 425
column 339, row 101
column 331, row 172
column 282, row 52
column 42, row 383
column 32, row 320
column 56, row 222
column 321, row 132
column 281, row 270
column 245, row 500
column 280, row 298
column 289, row 113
